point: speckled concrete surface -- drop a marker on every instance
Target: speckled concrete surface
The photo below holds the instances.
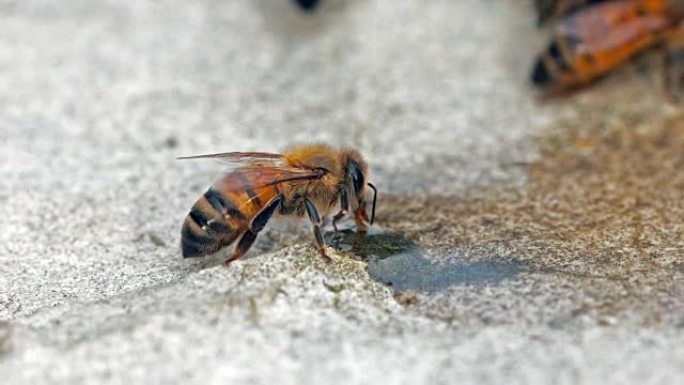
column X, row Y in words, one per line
column 517, row 241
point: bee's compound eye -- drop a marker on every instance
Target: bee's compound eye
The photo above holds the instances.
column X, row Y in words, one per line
column 354, row 172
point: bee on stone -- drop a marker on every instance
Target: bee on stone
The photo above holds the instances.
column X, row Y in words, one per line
column 306, row 180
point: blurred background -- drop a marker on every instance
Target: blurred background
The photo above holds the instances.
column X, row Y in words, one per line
column 519, row 238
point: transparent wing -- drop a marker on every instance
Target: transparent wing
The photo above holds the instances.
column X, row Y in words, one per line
column 550, row 9
column 254, row 176
column 605, row 26
column 238, row 157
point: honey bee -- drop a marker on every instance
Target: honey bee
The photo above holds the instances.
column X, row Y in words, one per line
column 303, row 180
column 592, row 41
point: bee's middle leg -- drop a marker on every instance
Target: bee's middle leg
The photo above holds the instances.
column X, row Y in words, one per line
column 316, row 220
column 344, row 207
column 256, row 225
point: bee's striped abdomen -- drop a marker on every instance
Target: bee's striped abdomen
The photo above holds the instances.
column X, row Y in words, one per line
column 213, row 223
column 223, row 214
column 553, row 66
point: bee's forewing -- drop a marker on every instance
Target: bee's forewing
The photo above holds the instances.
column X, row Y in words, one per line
column 260, row 175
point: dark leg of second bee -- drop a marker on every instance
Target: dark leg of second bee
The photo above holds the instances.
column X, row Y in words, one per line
column 673, row 72
column 316, row 220
column 257, row 224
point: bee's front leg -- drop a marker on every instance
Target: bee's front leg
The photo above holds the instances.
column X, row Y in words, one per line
column 361, row 218
column 318, row 235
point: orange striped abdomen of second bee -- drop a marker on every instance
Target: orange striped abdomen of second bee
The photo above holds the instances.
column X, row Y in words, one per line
column 596, row 40
column 223, row 213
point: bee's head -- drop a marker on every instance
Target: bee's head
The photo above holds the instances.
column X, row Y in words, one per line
column 356, row 173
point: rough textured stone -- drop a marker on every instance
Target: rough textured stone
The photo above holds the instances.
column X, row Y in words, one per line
column 518, row 241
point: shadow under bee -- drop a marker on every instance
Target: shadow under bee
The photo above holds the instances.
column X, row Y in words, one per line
column 400, row 263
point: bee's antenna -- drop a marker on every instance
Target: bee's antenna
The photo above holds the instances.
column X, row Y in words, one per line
column 375, row 196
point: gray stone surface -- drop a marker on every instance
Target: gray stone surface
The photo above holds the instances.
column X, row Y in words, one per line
column 517, row 241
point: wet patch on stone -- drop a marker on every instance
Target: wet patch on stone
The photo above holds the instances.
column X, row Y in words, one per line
column 375, row 244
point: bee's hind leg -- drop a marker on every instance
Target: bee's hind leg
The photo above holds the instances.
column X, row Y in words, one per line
column 242, row 247
column 258, row 223
column 316, row 220
column 344, row 207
